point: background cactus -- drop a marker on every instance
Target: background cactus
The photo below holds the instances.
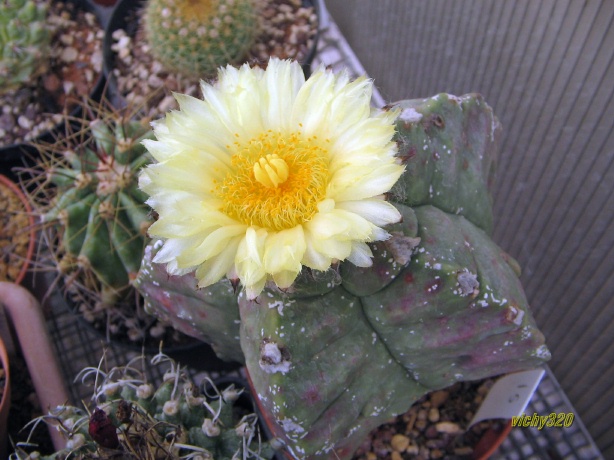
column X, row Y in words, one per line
column 442, row 302
column 195, row 37
column 24, row 42
column 95, row 203
column 93, row 218
column 132, row 418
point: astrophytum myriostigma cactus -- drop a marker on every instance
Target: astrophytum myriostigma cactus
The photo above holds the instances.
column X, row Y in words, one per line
column 342, row 351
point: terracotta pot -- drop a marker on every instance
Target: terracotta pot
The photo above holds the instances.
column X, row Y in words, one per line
column 6, row 182
column 30, row 325
column 491, row 440
column 5, row 399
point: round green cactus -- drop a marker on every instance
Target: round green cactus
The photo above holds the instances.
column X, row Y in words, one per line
column 24, row 42
column 195, row 37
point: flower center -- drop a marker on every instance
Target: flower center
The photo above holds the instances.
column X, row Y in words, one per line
column 271, row 170
column 278, row 179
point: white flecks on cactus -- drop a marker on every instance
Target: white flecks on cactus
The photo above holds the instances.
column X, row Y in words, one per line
column 468, row 284
column 290, row 425
column 410, row 115
column 401, row 247
column 272, row 358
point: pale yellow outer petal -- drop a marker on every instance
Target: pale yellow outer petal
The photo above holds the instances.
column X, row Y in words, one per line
column 214, row 269
column 284, row 251
column 361, row 255
column 375, row 210
column 249, row 263
column 281, row 85
column 211, row 245
column 379, row 180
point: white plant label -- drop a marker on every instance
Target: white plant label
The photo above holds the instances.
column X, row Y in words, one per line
column 509, row 396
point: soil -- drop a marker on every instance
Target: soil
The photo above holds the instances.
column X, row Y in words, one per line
column 287, row 30
column 435, row 427
column 75, row 67
column 15, row 234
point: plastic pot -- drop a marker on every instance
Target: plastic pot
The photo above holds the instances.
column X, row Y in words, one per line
column 125, row 16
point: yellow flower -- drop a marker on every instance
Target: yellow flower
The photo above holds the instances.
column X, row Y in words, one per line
column 269, row 173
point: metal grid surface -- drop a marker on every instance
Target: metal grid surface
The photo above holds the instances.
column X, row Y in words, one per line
column 78, row 346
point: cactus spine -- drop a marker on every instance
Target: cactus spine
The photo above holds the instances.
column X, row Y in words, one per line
column 24, row 42
column 341, row 352
column 195, row 37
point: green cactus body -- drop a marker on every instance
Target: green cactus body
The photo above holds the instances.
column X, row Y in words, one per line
column 341, row 352
column 24, row 42
column 98, row 209
column 449, row 146
column 195, row 37
column 210, row 314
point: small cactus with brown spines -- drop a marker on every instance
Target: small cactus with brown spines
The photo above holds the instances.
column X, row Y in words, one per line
column 91, row 202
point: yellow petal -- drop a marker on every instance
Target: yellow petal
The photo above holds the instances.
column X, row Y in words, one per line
column 284, row 251
column 212, row 270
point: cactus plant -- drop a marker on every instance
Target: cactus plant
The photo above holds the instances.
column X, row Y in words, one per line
column 195, row 37
column 132, row 418
column 24, row 42
column 341, row 351
column 84, row 192
column 92, row 198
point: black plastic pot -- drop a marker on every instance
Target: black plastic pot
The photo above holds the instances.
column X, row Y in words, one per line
column 125, row 16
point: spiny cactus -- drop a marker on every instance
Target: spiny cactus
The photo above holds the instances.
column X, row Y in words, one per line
column 87, row 195
column 24, row 42
column 195, row 37
column 340, row 352
column 131, row 418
